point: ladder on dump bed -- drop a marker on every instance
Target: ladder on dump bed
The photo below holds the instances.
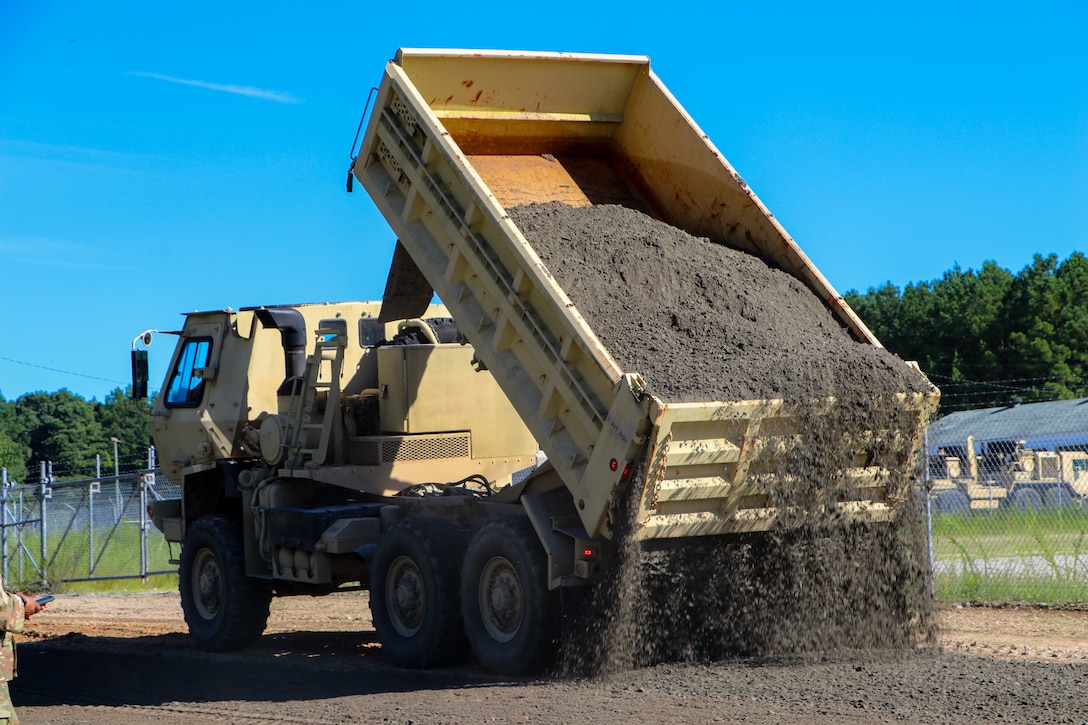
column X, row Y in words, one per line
column 315, row 407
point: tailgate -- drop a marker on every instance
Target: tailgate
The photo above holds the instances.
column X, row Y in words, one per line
column 732, row 468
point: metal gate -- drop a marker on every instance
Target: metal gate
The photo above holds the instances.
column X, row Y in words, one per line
column 73, row 531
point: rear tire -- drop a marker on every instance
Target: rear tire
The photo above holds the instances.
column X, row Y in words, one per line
column 1027, row 499
column 511, row 617
column 414, row 593
column 224, row 608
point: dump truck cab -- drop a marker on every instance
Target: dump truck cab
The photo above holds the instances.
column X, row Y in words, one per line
column 237, row 380
column 289, row 428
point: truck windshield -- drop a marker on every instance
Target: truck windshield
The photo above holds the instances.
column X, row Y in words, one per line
column 186, row 388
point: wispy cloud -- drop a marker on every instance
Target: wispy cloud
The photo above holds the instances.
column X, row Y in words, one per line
column 250, row 91
column 55, row 253
column 81, row 156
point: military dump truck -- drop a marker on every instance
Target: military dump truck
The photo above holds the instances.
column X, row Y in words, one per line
column 1003, row 473
column 467, row 471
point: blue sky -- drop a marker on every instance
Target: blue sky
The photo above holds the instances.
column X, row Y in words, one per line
column 156, row 159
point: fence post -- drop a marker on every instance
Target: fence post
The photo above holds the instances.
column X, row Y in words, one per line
column 4, row 523
column 43, row 488
column 90, row 528
column 929, row 513
column 147, row 480
column 144, row 563
column 90, row 514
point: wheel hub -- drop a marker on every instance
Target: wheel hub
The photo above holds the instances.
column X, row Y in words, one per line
column 405, row 596
column 502, row 602
column 208, row 584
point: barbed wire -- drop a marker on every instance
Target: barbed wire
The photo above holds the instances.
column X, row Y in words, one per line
column 990, row 365
column 67, row 468
column 967, row 381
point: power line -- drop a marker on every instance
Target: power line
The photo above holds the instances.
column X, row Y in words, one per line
column 64, row 372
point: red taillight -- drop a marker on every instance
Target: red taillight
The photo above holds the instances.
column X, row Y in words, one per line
column 613, row 464
column 626, row 471
column 587, row 560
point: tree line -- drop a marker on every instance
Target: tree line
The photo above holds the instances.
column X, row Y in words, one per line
column 69, row 431
column 990, row 337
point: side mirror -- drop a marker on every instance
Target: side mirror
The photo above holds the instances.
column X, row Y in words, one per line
column 139, row 374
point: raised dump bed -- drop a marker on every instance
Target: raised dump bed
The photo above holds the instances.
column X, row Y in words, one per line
column 455, row 140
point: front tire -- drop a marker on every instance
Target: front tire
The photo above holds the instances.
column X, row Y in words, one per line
column 511, row 617
column 952, row 502
column 414, row 593
column 224, row 608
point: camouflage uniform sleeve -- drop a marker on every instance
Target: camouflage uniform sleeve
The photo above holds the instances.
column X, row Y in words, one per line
column 12, row 617
column 11, row 611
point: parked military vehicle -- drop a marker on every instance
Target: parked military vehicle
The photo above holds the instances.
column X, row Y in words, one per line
column 1003, row 474
column 322, row 447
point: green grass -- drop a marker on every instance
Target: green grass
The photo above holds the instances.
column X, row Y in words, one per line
column 1066, row 519
column 987, row 545
column 1011, row 533
column 115, row 566
column 997, row 589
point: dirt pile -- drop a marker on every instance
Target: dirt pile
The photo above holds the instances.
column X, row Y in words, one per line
column 704, row 322
column 701, row 321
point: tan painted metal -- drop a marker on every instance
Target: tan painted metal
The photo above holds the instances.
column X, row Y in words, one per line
column 709, row 465
column 434, row 396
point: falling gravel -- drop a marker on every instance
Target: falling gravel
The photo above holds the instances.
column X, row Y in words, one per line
column 704, row 322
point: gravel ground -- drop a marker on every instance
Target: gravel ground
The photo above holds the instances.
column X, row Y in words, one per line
column 125, row 659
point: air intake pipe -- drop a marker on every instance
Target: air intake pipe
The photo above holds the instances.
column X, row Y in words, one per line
column 292, row 327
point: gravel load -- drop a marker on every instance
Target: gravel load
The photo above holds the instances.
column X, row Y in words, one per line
column 701, row 321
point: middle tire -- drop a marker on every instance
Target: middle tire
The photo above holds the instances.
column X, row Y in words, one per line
column 511, row 617
column 414, row 594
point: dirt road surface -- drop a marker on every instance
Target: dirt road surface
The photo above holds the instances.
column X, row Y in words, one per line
column 125, row 659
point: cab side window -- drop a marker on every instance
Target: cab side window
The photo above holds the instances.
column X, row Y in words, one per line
column 371, row 332
column 186, row 389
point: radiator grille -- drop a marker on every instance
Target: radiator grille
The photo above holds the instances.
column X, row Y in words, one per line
column 369, row 451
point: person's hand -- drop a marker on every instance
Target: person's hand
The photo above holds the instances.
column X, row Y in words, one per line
column 30, row 607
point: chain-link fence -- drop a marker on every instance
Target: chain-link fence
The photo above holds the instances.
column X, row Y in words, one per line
column 53, row 532
column 1008, row 502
